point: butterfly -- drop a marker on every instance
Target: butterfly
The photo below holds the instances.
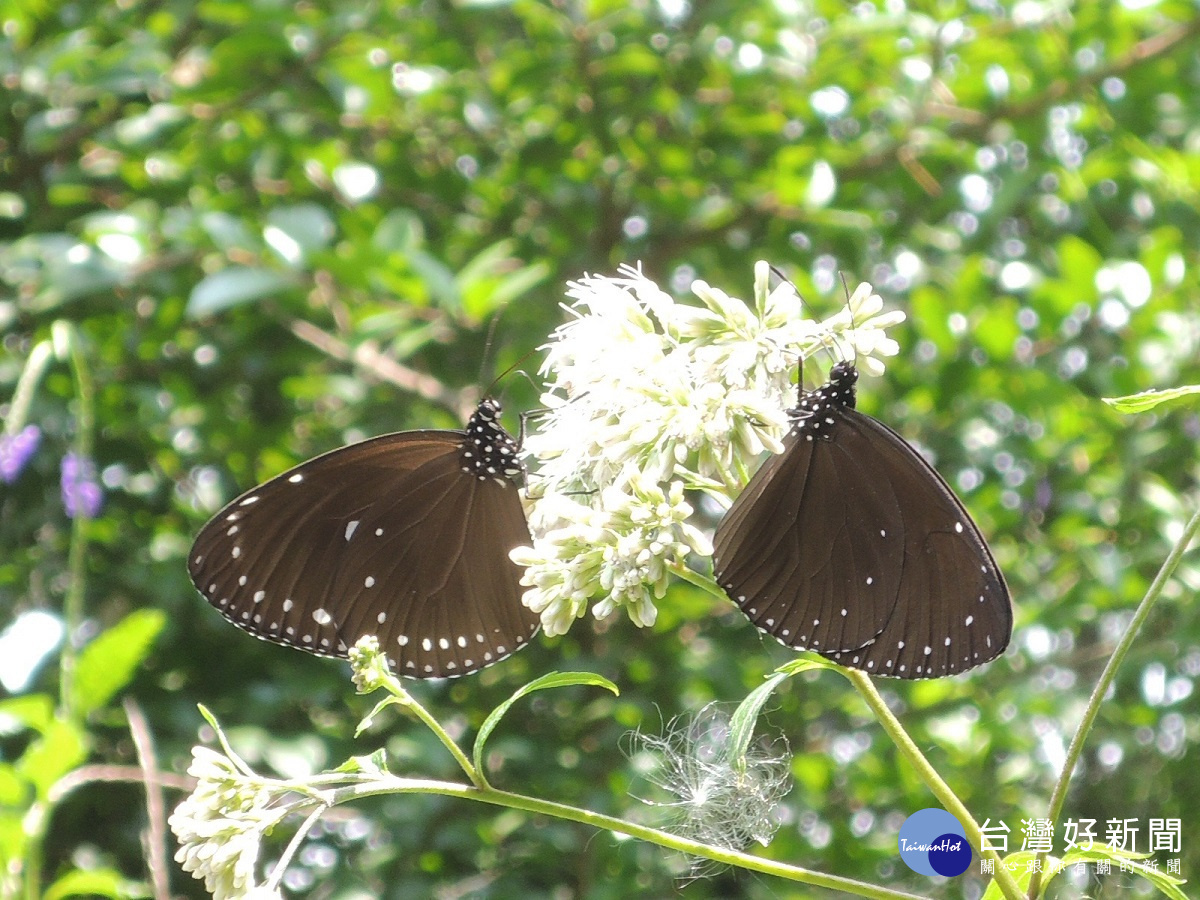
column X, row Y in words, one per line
column 404, row 536
column 850, row 544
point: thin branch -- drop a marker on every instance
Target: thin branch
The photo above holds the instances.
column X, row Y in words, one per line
column 1075, row 750
column 367, row 356
column 976, row 125
column 391, row 784
column 156, row 832
column 86, row 775
column 1002, row 877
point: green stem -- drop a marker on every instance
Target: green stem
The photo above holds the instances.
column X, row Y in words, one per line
column 949, row 800
column 393, row 785
column 408, row 702
column 68, row 338
column 701, row 581
column 1075, row 750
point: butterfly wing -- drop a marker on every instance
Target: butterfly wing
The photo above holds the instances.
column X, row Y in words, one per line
column 388, row 537
column 953, row 610
column 790, row 554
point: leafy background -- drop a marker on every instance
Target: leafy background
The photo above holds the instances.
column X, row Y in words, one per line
column 278, row 227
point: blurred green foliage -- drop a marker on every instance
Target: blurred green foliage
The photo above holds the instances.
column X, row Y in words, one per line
column 282, row 226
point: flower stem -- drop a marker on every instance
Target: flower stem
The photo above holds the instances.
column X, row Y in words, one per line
column 394, row 784
column 68, row 338
column 35, row 367
column 408, row 702
column 276, row 876
column 1075, row 750
column 949, row 800
column 695, row 578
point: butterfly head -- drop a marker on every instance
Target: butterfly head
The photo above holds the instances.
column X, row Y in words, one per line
column 843, row 377
column 813, row 416
column 488, row 451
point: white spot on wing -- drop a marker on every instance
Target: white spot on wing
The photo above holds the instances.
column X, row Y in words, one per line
column 350, row 528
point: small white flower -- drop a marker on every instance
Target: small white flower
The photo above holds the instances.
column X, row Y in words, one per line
column 648, row 398
column 368, row 664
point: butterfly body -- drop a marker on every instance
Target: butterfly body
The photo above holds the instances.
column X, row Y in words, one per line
column 850, row 544
column 405, row 536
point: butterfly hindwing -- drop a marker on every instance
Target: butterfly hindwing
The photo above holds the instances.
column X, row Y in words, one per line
column 954, row 611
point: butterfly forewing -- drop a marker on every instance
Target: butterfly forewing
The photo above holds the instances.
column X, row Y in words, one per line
column 850, row 544
column 463, row 611
column 405, row 537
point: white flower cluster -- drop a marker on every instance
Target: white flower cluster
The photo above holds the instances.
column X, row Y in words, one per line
column 220, row 826
column 619, row 550
column 648, row 398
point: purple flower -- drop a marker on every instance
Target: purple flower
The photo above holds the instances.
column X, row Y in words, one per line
column 80, row 490
column 16, row 450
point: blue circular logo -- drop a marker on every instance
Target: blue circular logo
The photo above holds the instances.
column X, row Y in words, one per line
column 933, row 842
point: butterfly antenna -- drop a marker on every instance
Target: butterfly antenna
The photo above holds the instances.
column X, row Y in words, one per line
column 850, row 313
column 487, row 351
column 510, row 370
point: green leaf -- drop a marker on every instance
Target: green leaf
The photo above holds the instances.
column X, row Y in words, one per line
column 550, row 680
column 232, row 287
column 296, row 232
column 375, row 764
column 109, row 662
column 745, row 717
column 61, row 747
column 1018, row 865
column 438, row 278
column 400, row 231
column 368, row 719
column 1167, row 884
column 1136, row 403
column 31, row 711
column 95, row 883
column 238, row 762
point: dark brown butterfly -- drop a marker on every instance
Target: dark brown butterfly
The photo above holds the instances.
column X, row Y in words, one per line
column 850, row 544
column 404, row 536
